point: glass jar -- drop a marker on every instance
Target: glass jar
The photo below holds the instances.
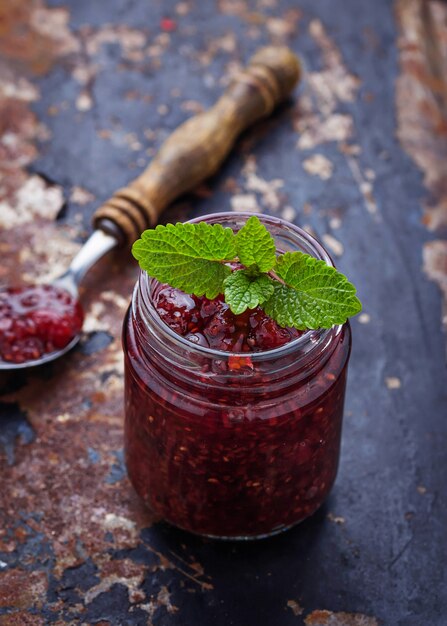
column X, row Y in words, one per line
column 232, row 445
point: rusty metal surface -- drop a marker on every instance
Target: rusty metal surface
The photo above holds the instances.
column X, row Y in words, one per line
column 88, row 91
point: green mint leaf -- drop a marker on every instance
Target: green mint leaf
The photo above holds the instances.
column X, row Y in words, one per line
column 244, row 291
column 189, row 257
column 314, row 295
column 255, row 245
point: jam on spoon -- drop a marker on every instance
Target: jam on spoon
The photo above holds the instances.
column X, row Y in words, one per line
column 37, row 320
column 40, row 323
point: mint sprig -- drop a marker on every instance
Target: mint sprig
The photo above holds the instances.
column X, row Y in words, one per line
column 314, row 295
column 190, row 257
column 294, row 288
column 255, row 246
column 243, row 290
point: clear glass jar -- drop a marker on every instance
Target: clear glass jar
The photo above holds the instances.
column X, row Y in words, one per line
column 232, row 445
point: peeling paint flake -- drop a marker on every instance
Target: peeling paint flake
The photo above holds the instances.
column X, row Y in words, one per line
column 364, row 318
column 48, row 253
column 18, row 88
column 337, row 519
column 118, row 521
column 335, row 223
column 288, row 213
column 164, row 599
column 267, row 189
column 245, row 203
column 116, row 298
column 295, row 607
column 313, row 131
column 435, row 267
column 319, row 165
column 333, row 244
column 282, row 28
column 335, row 82
column 81, row 196
column 36, row 198
column 392, row 382
column 131, row 40
column 365, row 186
column 232, row 7
column 329, row 618
column 53, row 25
column 132, row 583
column 84, row 101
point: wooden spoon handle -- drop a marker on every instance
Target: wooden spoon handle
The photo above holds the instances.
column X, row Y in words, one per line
column 195, row 150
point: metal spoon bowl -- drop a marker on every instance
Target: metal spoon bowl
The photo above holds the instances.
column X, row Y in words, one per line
column 98, row 244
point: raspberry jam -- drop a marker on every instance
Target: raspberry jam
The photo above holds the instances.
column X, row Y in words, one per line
column 233, row 423
column 211, row 323
column 35, row 321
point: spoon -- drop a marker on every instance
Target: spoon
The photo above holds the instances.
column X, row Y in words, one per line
column 192, row 153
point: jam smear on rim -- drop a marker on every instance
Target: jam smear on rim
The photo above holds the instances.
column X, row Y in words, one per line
column 36, row 320
column 212, row 324
column 230, row 451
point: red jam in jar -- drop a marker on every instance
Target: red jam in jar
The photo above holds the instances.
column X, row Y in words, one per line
column 233, row 423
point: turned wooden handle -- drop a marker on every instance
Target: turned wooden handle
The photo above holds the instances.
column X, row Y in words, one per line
column 196, row 149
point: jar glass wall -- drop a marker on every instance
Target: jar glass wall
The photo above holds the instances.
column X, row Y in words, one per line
column 232, row 445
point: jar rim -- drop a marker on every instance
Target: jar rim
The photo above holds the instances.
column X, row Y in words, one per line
column 308, row 338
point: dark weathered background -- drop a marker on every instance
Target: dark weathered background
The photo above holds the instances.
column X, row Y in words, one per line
column 89, row 91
